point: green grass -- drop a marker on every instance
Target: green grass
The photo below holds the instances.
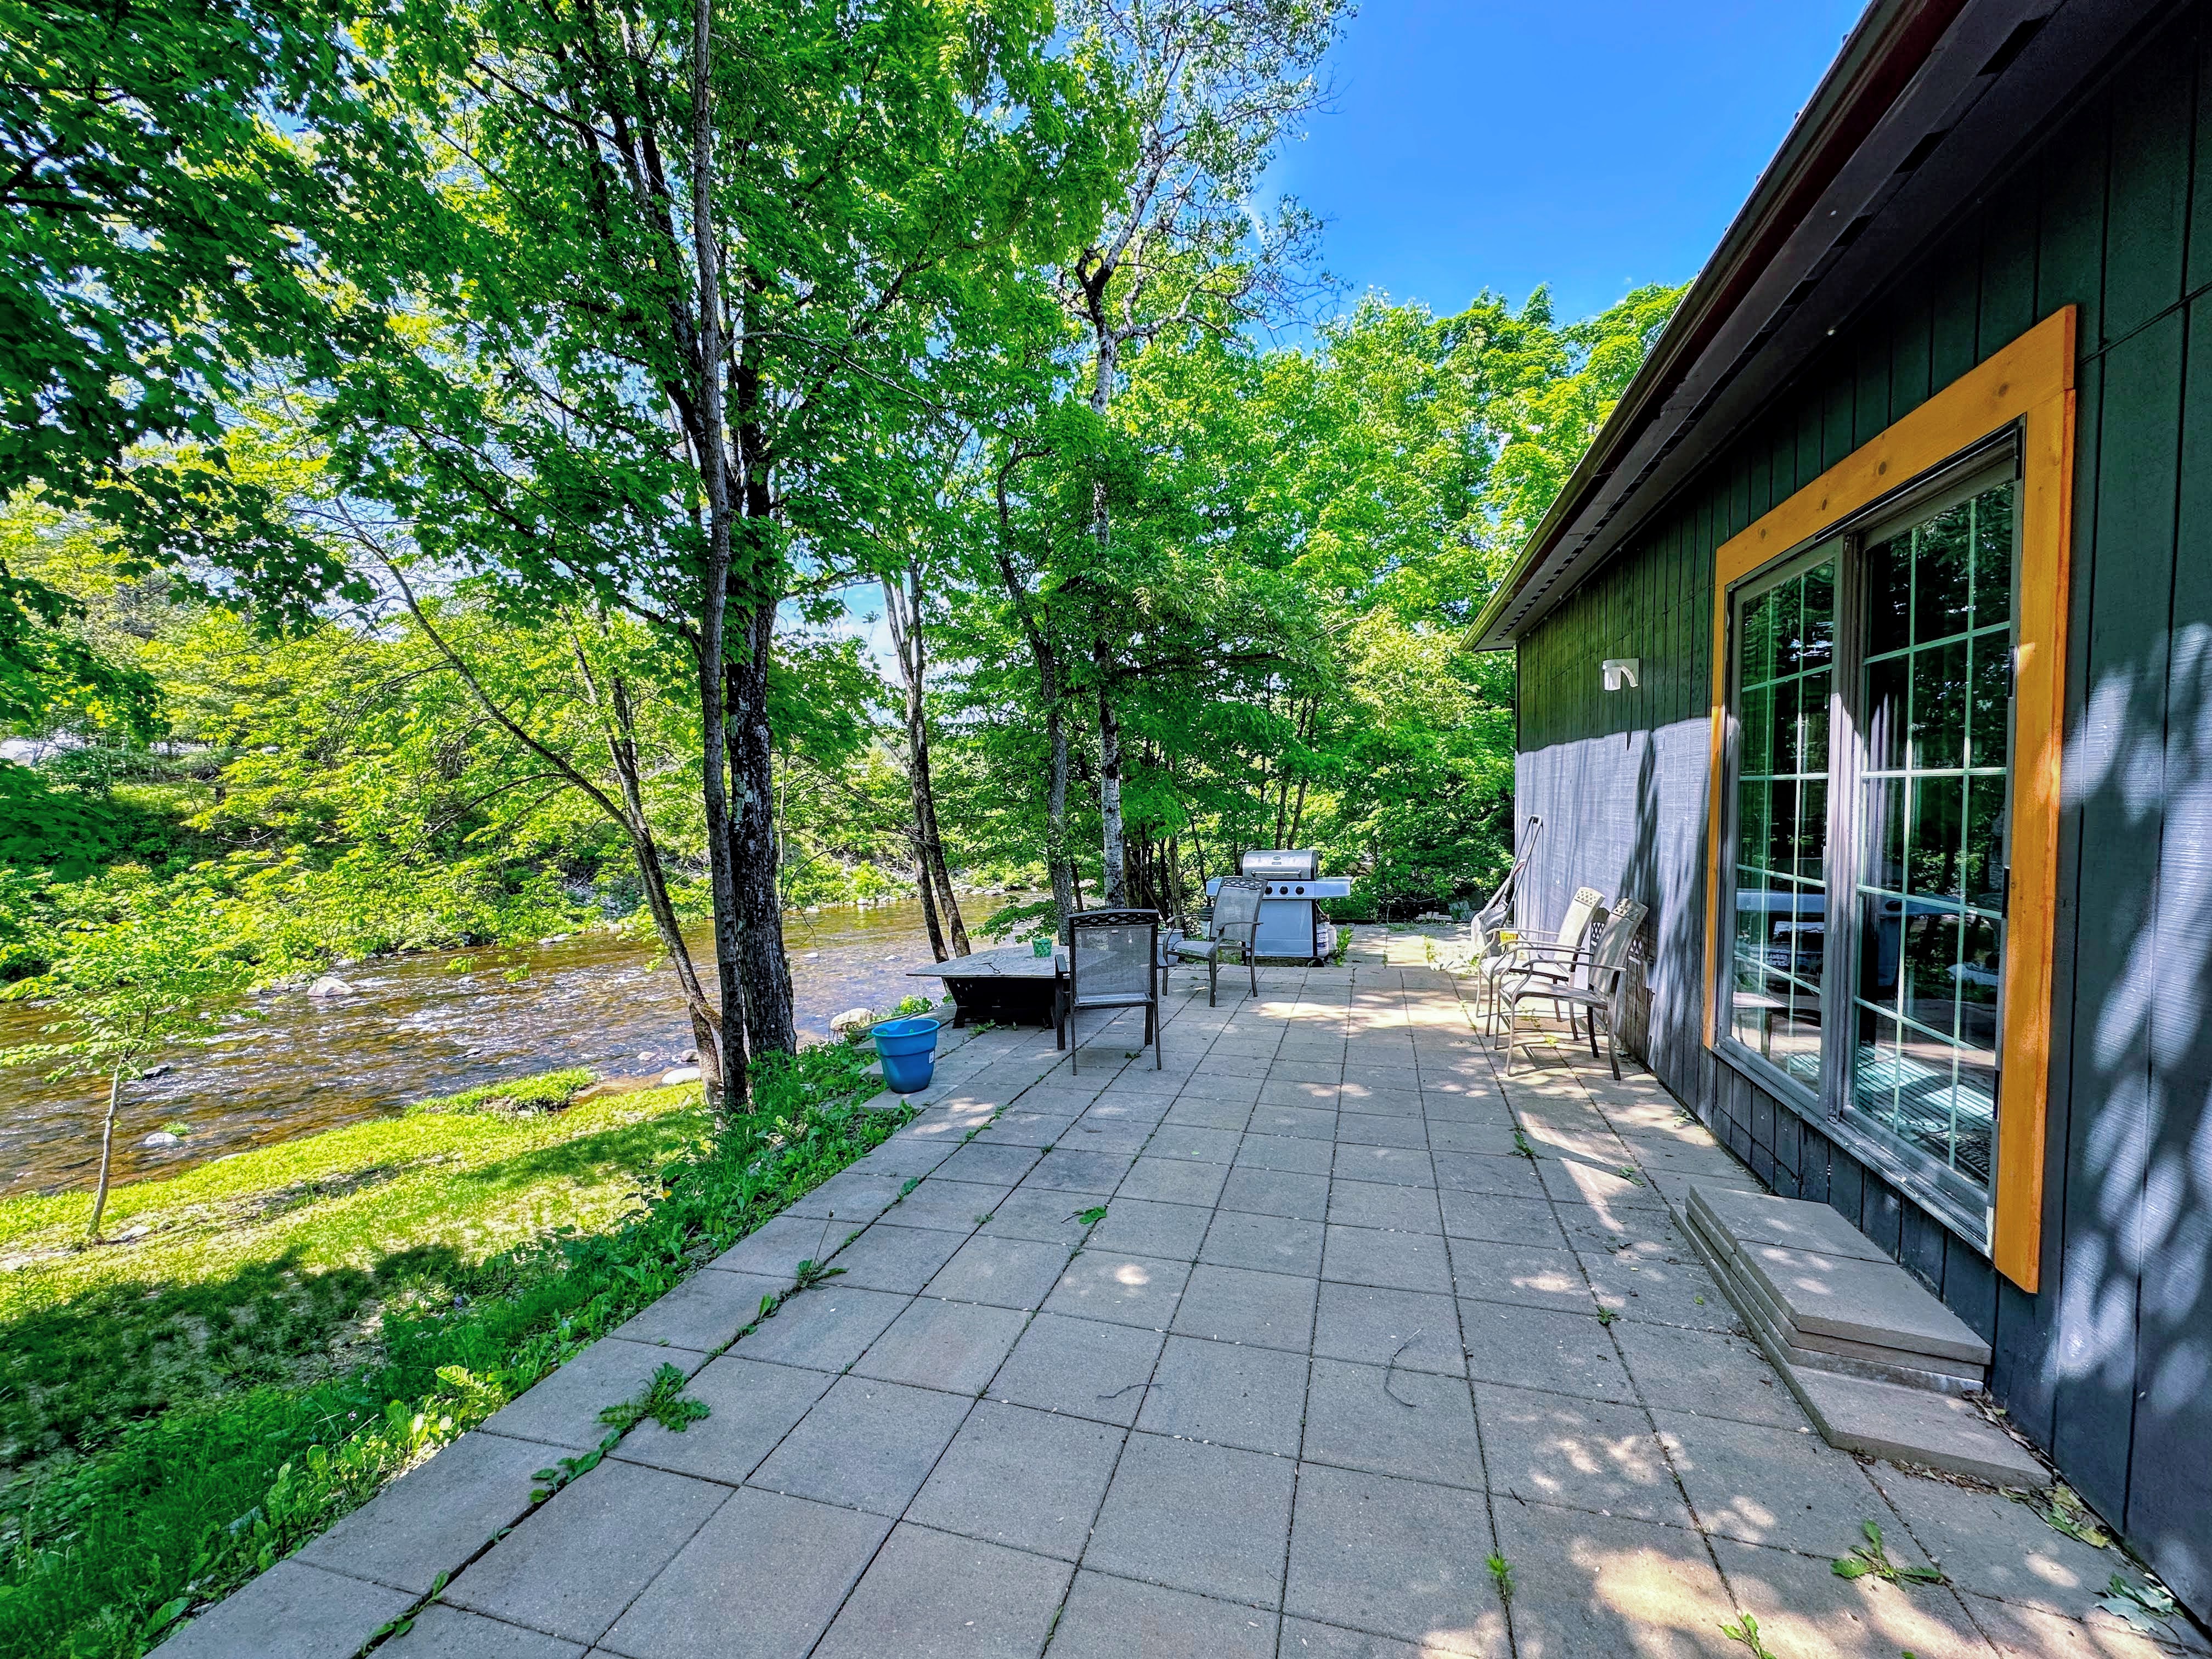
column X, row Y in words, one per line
column 296, row 1325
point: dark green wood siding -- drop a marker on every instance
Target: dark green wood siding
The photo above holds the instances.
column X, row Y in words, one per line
column 2109, row 1366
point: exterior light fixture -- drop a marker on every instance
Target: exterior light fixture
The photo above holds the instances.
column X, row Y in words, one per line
column 1623, row 670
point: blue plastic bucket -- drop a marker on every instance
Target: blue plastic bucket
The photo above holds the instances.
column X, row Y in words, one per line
column 908, row 1047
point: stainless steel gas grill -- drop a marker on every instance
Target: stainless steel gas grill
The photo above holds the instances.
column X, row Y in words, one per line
column 1290, row 922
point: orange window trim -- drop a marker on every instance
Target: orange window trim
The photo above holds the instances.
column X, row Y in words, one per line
column 2029, row 384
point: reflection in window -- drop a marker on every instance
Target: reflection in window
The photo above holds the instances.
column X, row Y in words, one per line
column 1785, row 650
column 1936, row 709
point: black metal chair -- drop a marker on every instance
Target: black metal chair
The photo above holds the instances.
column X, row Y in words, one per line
column 1111, row 957
column 1234, row 921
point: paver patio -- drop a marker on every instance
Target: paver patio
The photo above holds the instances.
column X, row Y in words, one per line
column 1333, row 1344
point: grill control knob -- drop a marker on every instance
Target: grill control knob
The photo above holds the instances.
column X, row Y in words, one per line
column 1301, row 890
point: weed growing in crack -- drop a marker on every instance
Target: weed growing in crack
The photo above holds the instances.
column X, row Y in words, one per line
column 1873, row 1557
column 1607, row 1316
column 663, row 1400
column 1091, row 1216
column 568, row 1468
column 1501, row 1574
column 1522, row 1148
column 1746, row 1630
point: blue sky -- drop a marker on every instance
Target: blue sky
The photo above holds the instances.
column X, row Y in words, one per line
column 1592, row 144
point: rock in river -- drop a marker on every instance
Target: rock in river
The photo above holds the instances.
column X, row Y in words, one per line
column 330, row 985
column 681, row 1074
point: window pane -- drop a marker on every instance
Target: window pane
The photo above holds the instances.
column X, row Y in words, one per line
column 1875, row 1068
column 1882, row 948
column 1984, row 876
column 1939, row 706
column 1980, row 954
column 1942, row 565
column 1813, row 829
column 1935, row 858
column 1883, row 833
column 1936, row 711
column 1889, row 595
column 1886, row 683
column 1991, row 717
column 1751, row 817
column 1756, row 629
column 1755, row 724
column 1931, row 969
column 1781, row 852
column 1976, row 1107
column 1992, row 557
column 1813, row 723
column 1819, row 617
column 1783, row 604
column 1782, row 747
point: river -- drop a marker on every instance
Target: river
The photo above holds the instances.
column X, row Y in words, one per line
column 421, row 1025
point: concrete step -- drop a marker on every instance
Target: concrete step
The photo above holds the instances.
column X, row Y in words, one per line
column 1829, row 1282
column 1880, row 1364
column 1798, row 1347
column 1912, row 1426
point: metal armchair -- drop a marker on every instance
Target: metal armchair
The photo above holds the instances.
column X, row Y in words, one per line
column 1546, row 955
column 1235, row 923
column 1111, row 957
column 1604, row 970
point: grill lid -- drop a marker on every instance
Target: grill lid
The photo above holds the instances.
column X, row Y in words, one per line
column 1281, row 864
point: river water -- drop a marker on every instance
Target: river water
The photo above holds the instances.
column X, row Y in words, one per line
column 423, row 1025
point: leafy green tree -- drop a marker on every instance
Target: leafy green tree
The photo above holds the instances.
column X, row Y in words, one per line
column 718, row 254
column 156, row 969
column 186, row 194
column 1214, row 85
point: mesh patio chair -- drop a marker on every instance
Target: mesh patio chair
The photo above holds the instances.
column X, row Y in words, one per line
column 1603, row 971
column 1234, row 923
column 1529, row 950
column 1111, row 958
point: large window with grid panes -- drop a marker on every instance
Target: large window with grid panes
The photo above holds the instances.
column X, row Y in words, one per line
column 1870, row 693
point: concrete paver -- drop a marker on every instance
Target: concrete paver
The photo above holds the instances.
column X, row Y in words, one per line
column 866, row 1444
column 435, row 1517
column 442, row 1632
column 762, row 1579
column 293, row 1611
column 1111, row 1617
column 1229, row 1394
column 1015, row 1475
column 563, row 1408
column 931, row 1596
column 1401, row 1559
column 754, row 1406
column 1210, row 1519
column 562, row 1571
column 1335, row 1341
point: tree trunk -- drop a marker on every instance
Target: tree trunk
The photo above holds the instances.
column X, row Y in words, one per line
column 903, row 610
column 1060, row 865
column 927, row 886
column 763, row 967
column 705, row 1023
column 715, row 579
column 107, row 1154
column 1113, row 852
